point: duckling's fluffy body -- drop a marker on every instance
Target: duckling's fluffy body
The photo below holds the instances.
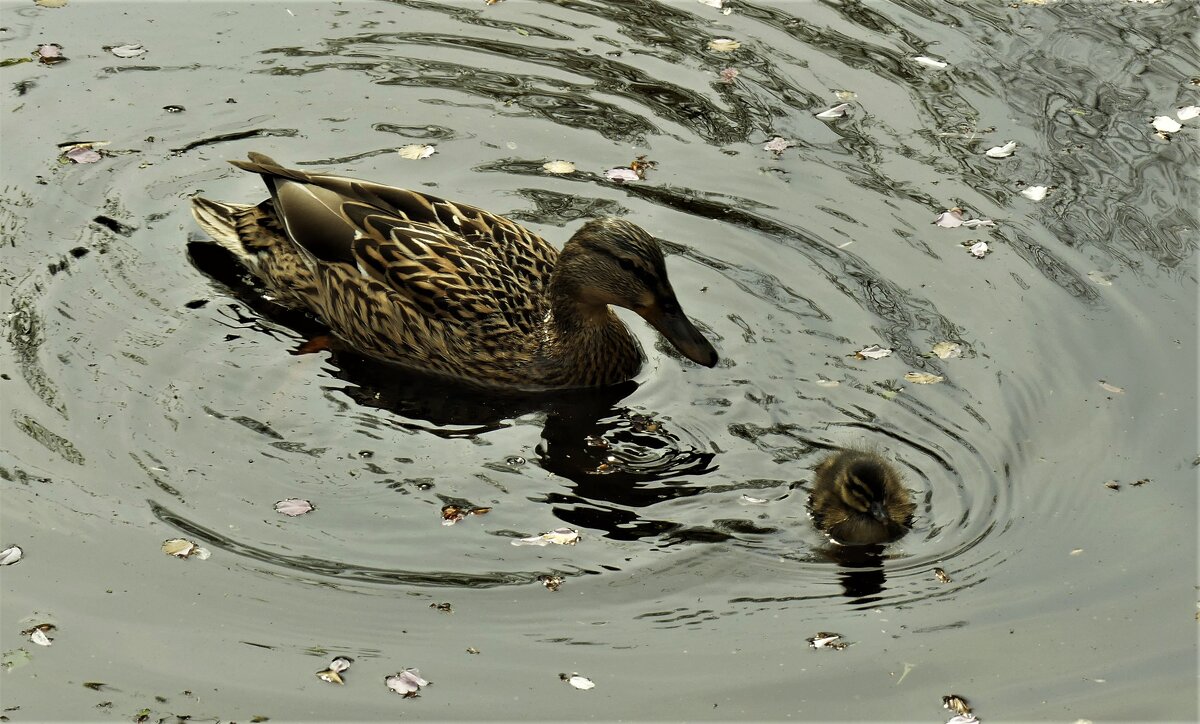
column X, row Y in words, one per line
column 859, row 498
column 451, row 289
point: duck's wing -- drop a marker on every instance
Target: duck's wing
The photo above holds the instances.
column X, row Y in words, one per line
column 450, row 261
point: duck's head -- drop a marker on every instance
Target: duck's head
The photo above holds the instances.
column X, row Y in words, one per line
column 612, row 261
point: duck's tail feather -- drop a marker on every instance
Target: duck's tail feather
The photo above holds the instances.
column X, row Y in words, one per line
column 220, row 220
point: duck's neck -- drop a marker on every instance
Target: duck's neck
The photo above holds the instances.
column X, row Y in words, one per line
column 585, row 344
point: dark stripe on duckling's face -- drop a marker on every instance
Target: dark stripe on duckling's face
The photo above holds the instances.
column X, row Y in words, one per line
column 863, row 487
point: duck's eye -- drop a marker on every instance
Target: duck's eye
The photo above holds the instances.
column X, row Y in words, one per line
column 626, row 264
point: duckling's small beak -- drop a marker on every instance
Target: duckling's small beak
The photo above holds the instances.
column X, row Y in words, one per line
column 878, row 512
column 672, row 323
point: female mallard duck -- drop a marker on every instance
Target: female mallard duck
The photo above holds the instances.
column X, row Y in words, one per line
column 451, row 289
column 859, row 498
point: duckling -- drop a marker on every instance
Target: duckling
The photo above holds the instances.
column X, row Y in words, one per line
column 449, row 289
column 859, row 498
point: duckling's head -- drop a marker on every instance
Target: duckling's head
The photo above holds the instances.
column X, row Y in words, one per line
column 612, row 261
column 859, row 498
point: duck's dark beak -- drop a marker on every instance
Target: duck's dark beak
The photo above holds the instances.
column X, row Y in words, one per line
column 878, row 512
column 672, row 323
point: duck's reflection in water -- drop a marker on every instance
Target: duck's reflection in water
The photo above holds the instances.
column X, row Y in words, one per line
column 618, row 461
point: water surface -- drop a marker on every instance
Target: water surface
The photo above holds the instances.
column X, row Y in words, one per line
column 145, row 399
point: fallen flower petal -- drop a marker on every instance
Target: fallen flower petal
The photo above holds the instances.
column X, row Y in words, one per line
column 1165, row 124
column 724, row 45
column 1002, row 151
column 1035, row 193
column 10, row 555
column 838, row 111
column 579, row 682
column 416, row 151
column 132, row 50
column 873, row 351
column 183, row 548
column 1187, row 113
column 406, row 683
column 947, row 350
column 621, row 175
column 331, row 676
column 931, row 62
column 950, row 219
column 923, row 378
column 558, row 167
column 558, row 536
column 293, row 507
column 827, row 640
column 728, row 74
column 979, row 249
column 49, row 53
column 39, row 634
column 79, row 154
column 778, row 145
column 972, row 223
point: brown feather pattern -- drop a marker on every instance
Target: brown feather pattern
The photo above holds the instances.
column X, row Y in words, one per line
column 451, row 289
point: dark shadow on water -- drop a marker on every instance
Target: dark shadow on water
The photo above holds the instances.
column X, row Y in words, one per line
column 862, row 576
column 618, row 460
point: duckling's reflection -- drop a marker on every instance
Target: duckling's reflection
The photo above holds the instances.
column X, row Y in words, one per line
column 863, row 578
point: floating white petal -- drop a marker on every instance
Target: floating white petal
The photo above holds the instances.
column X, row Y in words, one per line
column 950, row 219
column 724, row 45
column 1165, row 124
column 580, row 682
column 558, row 167
column 838, row 111
column 10, row 555
column 1035, row 193
column 972, row 223
column 131, row 50
column 931, row 62
column 1002, row 151
column 873, row 352
column 778, row 145
column 947, row 350
column 407, row 682
column 293, row 507
column 558, row 536
column 1187, row 113
column 980, row 249
column 416, row 151
column 624, row 173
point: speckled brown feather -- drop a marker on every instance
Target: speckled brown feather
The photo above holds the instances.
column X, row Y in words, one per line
column 444, row 287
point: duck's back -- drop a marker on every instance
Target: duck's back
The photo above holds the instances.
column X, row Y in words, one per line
column 430, row 283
